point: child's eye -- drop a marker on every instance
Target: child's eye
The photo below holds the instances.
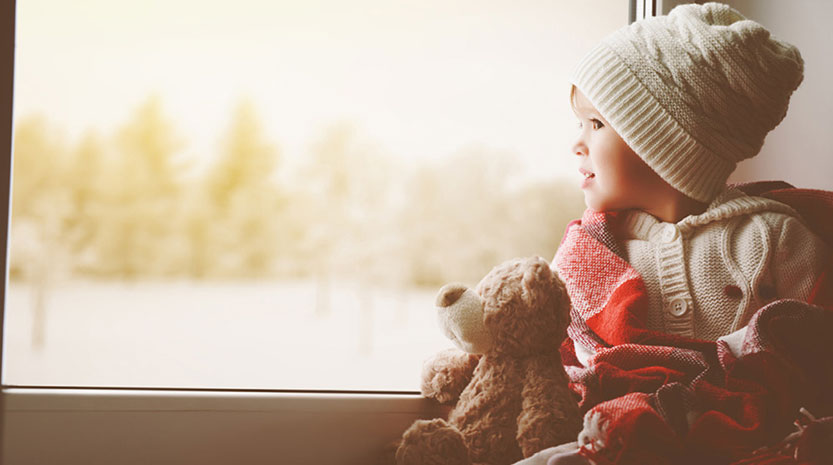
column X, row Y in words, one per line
column 595, row 124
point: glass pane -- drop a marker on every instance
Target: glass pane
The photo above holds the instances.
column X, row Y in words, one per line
column 267, row 194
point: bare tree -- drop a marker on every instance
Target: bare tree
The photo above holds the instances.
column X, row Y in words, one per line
column 244, row 231
column 137, row 234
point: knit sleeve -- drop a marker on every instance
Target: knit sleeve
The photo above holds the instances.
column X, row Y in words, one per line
column 800, row 257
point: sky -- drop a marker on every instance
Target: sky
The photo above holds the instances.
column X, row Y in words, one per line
column 422, row 78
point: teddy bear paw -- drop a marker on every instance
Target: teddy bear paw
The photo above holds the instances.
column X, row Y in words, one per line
column 432, row 442
column 446, row 374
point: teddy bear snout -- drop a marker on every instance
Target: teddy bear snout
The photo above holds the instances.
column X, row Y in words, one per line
column 449, row 294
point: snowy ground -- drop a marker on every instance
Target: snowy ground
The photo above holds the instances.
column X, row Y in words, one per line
column 231, row 335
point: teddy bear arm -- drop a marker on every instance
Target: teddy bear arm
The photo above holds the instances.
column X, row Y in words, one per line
column 550, row 415
column 445, row 375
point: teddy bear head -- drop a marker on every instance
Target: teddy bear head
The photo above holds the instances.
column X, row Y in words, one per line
column 520, row 308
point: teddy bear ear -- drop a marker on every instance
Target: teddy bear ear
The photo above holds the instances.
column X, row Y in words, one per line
column 537, row 272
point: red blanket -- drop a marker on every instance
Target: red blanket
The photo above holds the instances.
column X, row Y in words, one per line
column 656, row 398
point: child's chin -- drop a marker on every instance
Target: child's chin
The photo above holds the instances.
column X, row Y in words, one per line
column 599, row 205
column 591, row 202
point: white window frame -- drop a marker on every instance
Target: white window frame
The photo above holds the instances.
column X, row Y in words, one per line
column 179, row 426
column 641, row 9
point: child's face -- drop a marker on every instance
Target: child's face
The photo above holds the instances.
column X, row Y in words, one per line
column 615, row 178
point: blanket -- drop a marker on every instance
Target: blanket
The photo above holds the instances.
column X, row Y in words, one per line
column 657, row 398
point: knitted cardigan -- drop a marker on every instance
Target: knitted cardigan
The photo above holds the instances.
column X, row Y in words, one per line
column 653, row 396
column 707, row 275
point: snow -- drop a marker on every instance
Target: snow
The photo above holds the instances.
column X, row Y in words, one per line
column 292, row 335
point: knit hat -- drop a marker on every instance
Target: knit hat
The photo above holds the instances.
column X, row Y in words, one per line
column 692, row 93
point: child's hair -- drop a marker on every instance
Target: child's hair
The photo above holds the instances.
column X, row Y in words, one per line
column 573, row 96
column 692, row 93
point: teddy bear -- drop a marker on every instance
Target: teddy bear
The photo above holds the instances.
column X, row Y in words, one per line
column 510, row 387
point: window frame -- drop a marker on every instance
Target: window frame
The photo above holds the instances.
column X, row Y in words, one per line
column 7, row 47
column 113, row 425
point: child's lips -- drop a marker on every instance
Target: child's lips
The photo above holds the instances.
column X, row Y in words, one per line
column 588, row 177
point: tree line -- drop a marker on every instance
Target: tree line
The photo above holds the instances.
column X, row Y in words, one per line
column 127, row 206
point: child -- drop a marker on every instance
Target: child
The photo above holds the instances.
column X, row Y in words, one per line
column 690, row 298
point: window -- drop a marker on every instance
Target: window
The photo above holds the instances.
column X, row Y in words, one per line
column 269, row 196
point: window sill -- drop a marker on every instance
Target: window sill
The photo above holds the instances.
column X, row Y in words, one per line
column 100, row 426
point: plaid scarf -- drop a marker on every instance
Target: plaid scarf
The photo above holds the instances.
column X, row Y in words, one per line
column 656, row 398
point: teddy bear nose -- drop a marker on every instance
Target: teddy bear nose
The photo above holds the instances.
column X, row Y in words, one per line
column 449, row 294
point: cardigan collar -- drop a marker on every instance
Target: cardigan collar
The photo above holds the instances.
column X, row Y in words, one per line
column 731, row 202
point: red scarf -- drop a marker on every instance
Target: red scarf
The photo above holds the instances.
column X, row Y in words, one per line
column 657, row 398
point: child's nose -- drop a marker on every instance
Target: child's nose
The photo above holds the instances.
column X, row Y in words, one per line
column 579, row 148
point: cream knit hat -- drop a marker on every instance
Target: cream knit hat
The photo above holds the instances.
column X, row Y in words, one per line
column 692, row 93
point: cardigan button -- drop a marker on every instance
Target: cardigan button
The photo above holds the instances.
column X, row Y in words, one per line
column 733, row 292
column 669, row 233
column 678, row 307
